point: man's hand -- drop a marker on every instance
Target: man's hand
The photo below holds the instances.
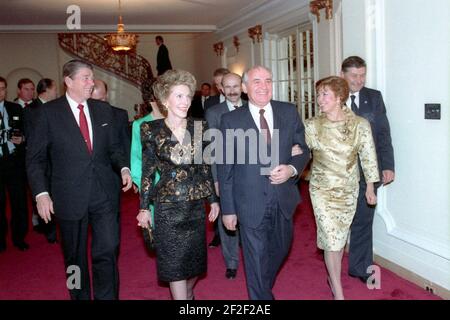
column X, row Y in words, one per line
column 370, row 194
column 126, row 180
column 296, row 150
column 280, row 174
column 230, row 221
column 388, row 176
column 135, row 188
column 45, row 207
column 16, row 139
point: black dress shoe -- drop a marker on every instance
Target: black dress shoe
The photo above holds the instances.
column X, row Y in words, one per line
column 230, row 273
column 39, row 228
column 22, row 246
column 215, row 242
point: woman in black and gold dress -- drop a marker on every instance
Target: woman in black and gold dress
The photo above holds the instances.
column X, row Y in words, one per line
column 172, row 147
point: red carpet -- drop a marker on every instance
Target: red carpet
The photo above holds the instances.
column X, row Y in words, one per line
column 39, row 273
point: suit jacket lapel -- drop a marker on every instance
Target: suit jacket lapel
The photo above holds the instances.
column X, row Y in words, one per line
column 249, row 122
column 70, row 125
column 364, row 106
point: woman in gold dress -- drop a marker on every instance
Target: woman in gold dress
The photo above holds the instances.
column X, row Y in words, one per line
column 337, row 137
column 171, row 147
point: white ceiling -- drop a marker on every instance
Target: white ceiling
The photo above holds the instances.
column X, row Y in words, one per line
column 138, row 15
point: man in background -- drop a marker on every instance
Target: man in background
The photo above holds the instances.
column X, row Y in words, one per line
column 25, row 92
column 219, row 97
column 197, row 109
column 12, row 171
column 162, row 59
column 100, row 92
column 232, row 86
column 367, row 103
column 46, row 90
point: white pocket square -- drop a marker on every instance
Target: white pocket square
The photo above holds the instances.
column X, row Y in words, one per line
column 104, row 125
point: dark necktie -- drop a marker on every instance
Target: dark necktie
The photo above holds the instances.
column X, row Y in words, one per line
column 235, row 107
column 264, row 126
column 353, row 105
column 4, row 138
column 84, row 128
column 25, row 105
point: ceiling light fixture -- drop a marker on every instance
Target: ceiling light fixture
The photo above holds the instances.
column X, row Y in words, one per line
column 121, row 41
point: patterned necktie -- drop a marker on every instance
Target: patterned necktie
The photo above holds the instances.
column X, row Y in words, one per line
column 84, row 128
column 264, row 126
column 5, row 149
column 353, row 105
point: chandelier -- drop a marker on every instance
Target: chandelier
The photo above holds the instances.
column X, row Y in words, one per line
column 121, row 41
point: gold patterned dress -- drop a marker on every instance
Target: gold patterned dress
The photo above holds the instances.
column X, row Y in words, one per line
column 334, row 184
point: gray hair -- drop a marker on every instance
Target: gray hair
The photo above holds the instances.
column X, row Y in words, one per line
column 245, row 75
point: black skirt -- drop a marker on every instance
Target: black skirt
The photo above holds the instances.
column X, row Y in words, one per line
column 180, row 237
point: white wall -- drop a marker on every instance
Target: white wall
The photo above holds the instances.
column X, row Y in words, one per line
column 38, row 55
column 28, row 56
column 408, row 49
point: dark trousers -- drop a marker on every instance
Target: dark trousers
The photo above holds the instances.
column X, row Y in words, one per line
column 361, row 246
column 104, row 248
column 13, row 180
column 265, row 249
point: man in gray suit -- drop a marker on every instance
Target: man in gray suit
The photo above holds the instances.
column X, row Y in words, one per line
column 367, row 103
column 232, row 87
column 261, row 194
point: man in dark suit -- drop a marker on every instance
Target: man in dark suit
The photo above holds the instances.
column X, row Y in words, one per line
column 162, row 58
column 212, row 101
column 261, row 192
column 219, row 97
column 12, row 171
column 197, row 109
column 232, row 87
column 100, row 92
column 76, row 136
column 367, row 103
column 46, row 90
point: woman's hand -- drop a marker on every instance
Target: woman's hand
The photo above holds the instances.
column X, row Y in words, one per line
column 370, row 194
column 214, row 212
column 143, row 218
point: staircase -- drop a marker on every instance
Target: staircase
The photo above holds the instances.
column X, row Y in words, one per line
column 93, row 48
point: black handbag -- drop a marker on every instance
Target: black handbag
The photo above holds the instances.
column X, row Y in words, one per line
column 149, row 240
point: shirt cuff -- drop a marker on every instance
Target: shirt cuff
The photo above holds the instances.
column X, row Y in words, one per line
column 294, row 170
column 125, row 168
column 41, row 194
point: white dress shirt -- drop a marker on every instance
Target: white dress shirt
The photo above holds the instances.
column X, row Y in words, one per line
column 349, row 100
column 231, row 105
column 268, row 114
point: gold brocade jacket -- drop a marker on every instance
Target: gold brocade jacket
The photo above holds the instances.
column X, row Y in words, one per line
column 336, row 147
column 185, row 172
